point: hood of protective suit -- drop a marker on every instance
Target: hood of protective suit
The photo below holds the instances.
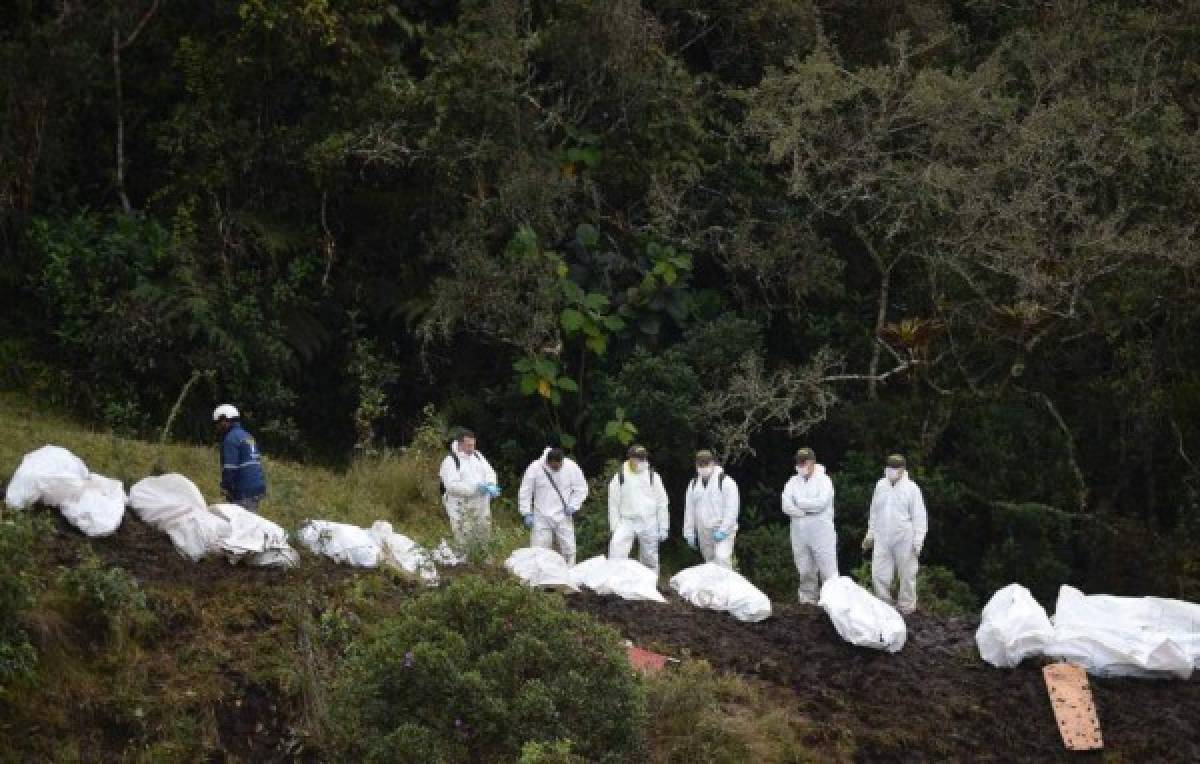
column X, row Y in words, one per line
column 628, row 468
column 818, row 470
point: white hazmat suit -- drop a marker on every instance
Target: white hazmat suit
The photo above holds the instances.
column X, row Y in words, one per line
column 637, row 509
column 897, row 529
column 809, row 502
column 469, row 509
column 712, row 505
column 552, row 498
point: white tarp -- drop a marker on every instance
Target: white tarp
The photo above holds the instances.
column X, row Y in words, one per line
column 444, row 554
column 1145, row 637
column 540, row 567
column 172, row 504
column 342, row 543
column 254, row 538
column 99, row 507
column 51, row 475
column 57, row 478
column 401, row 552
column 1013, row 627
column 718, row 588
column 625, row 578
column 860, row 617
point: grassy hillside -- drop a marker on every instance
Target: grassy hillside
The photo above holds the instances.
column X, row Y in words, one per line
column 144, row 656
column 401, row 488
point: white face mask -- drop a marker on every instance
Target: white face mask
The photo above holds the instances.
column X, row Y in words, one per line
column 638, row 465
column 893, row 473
column 802, row 470
column 705, row 471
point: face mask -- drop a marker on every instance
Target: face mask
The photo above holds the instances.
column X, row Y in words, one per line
column 637, row 465
column 705, row 471
column 802, row 470
column 893, row 473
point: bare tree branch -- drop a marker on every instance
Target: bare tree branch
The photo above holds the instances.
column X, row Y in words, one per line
column 1069, row 438
column 795, row 400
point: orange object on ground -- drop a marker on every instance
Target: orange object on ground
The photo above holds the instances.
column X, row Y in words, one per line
column 1074, row 709
column 645, row 661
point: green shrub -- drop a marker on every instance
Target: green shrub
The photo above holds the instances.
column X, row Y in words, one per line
column 591, row 523
column 404, row 482
column 941, row 593
column 558, row 752
column 106, row 604
column 1033, row 549
column 764, row 556
column 476, row 671
column 17, row 656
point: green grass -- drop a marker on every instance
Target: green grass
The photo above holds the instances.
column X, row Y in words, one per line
column 158, row 695
column 156, row 687
column 697, row 714
column 400, row 487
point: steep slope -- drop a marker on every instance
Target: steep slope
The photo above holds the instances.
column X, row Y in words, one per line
column 230, row 663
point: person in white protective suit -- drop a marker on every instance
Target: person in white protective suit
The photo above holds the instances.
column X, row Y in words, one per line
column 711, row 511
column 552, row 491
column 468, row 485
column 637, row 509
column 808, row 500
column 896, row 529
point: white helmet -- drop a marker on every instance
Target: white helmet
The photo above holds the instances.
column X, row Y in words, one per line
column 225, row 411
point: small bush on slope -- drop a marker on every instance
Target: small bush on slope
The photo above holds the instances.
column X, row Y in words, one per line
column 477, row 670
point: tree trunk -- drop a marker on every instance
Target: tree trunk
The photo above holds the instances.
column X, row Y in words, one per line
column 1072, row 457
column 885, row 283
column 119, row 45
column 116, row 62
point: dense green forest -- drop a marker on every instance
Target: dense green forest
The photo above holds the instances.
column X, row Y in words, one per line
column 965, row 231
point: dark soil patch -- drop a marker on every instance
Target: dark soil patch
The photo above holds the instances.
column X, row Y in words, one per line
column 149, row 555
column 251, row 724
column 934, row 700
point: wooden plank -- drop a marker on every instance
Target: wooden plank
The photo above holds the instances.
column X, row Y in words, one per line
column 1074, row 708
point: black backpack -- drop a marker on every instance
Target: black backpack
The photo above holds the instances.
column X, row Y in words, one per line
column 720, row 481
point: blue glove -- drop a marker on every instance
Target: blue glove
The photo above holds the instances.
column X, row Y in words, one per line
column 720, row 536
column 482, row 489
column 528, row 519
column 492, row 489
column 691, row 542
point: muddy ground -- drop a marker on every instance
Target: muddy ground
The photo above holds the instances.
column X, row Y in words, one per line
column 934, row 700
